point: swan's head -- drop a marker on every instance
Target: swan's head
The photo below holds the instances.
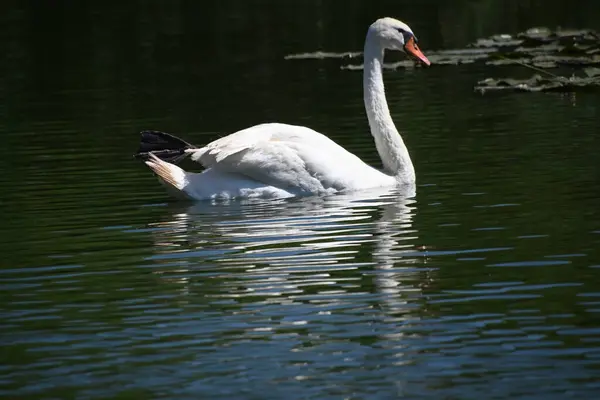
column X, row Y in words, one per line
column 396, row 35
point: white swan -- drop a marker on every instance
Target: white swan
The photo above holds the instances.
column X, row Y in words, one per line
column 278, row 160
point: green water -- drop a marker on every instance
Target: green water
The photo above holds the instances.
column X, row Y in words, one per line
column 485, row 283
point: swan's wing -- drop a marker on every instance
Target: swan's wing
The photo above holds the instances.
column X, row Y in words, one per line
column 253, row 138
column 282, row 155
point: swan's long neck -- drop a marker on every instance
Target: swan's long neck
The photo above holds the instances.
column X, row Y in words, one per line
column 390, row 146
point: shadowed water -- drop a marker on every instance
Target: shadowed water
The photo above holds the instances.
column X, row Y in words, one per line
column 482, row 283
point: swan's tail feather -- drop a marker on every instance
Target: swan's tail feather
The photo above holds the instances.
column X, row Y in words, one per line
column 171, row 175
column 162, row 145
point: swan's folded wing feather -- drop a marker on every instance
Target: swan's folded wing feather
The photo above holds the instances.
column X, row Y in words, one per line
column 256, row 137
column 273, row 163
column 219, row 150
column 284, row 156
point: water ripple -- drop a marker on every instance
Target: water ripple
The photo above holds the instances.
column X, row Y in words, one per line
column 481, row 283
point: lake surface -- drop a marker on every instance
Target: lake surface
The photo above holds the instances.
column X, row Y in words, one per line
column 484, row 283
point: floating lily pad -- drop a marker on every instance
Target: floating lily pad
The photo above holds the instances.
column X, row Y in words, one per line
column 503, row 40
column 538, row 83
column 544, row 48
column 320, row 55
column 592, row 72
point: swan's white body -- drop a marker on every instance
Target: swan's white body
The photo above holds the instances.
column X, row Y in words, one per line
column 279, row 160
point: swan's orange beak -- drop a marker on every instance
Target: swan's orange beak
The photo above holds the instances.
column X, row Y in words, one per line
column 412, row 50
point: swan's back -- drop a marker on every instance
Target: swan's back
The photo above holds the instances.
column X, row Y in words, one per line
column 257, row 136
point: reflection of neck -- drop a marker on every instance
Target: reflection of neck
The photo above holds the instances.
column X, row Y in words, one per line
column 396, row 275
column 390, row 146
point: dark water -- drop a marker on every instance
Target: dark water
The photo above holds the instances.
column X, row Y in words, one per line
column 483, row 284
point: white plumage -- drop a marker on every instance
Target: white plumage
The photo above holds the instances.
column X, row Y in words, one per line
column 279, row 160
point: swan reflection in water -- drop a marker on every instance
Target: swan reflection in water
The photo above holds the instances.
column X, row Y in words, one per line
column 315, row 250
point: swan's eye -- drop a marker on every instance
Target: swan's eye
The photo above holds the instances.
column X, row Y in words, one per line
column 407, row 35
